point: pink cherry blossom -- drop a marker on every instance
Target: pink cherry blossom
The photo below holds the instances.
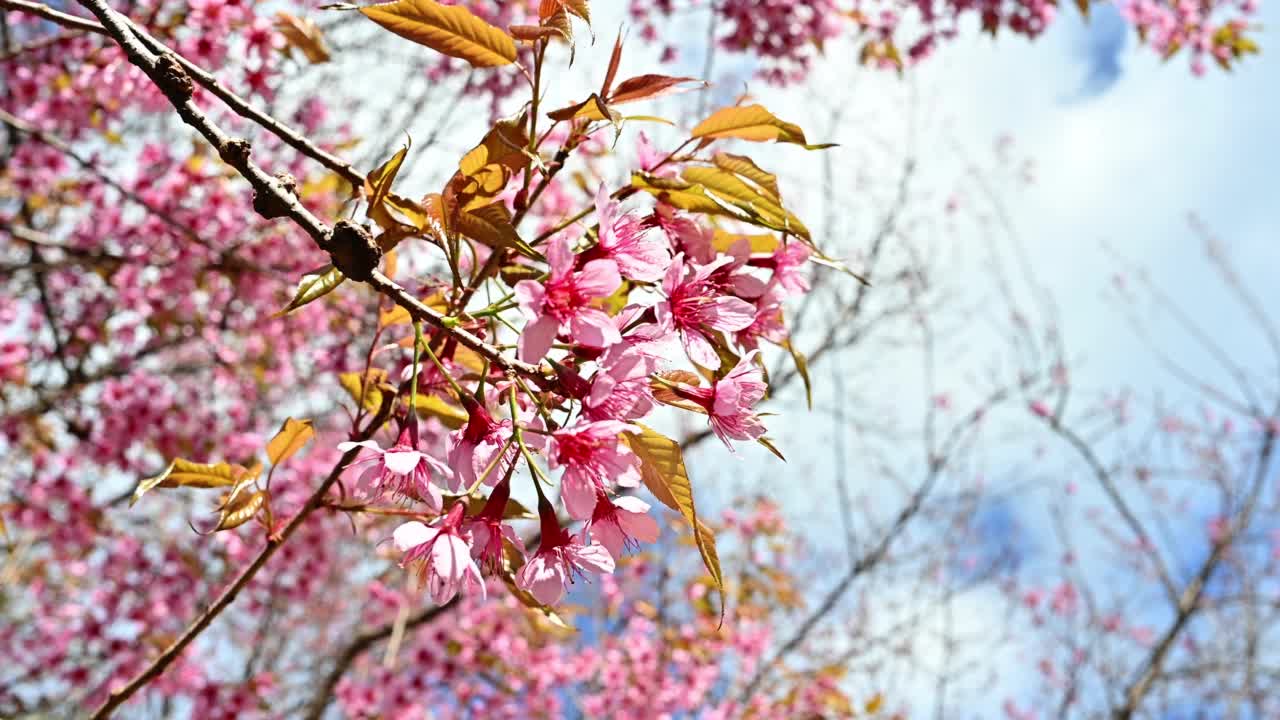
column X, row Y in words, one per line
column 622, row 522
column 620, row 388
column 694, row 307
column 401, row 469
column 592, row 455
column 563, row 303
column 473, row 447
column 559, row 559
column 488, row 529
column 441, row 554
column 730, row 401
column 639, row 253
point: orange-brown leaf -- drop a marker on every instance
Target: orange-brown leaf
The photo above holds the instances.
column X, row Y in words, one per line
column 449, row 29
column 754, row 123
column 303, row 34
column 647, row 87
column 293, row 434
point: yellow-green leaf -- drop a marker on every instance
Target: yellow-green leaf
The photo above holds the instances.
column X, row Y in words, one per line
column 289, row 440
column 548, row 8
column 542, row 612
column 449, row 29
column 746, row 167
column 759, row 243
column 753, row 123
column 313, row 286
column 663, row 471
column 364, row 388
column 303, row 34
column 449, row 415
column 802, row 369
column 241, row 511
column 184, row 473
column 490, row 225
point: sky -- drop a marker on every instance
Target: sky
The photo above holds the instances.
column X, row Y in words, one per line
column 1123, row 148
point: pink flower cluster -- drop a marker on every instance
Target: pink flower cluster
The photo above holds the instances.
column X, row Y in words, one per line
column 618, row 304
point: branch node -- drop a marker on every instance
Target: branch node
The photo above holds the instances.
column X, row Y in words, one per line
column 275, row 204
column 173, row 79
column 235, row 152
column 354, row 251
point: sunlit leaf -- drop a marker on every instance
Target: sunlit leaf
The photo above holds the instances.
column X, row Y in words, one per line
column 614, row 59
column 184, row 473
column 548, row 8
column 754, row 123
column 593, row 108
column 241, row 511
column 367, row 387
column 650, row 86
column 449, row 29
column 802, row 369
column 768, row 444
column 543, row 613
column 747, row 168
column 759, row 244
column 449, row 415
column 490, row 225
column 292, row 436
column 303, row 34
column 313, row 286
column 663, row 471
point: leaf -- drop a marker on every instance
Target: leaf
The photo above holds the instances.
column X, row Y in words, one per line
column 802, row 369
column 746, row 167
column 313, row 286
column 760, row 208
column 681, row 195
column 378, row 187
column 760, row 244
column 367, row 386
column 184, row 473
column 484, row 171
column 543, row 613
column 449, row 29
column 303, row 34
column 548, row 8
column 753, row 123
column 491, row 226
column 614, row 60
column 650, row 86
column 289, row 440
column 663, row 471
column 593, row 108
column 241, row 511
column 449, row 415
column 533, row 33
column 771, row 447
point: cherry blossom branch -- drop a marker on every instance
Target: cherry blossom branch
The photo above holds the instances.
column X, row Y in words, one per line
column 166, row 658
column 1103, row 476
column 1189, row 600
column 63, row 147
column 238, row 104
column 352, row 249
column 363, row 642
column 44, row 11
